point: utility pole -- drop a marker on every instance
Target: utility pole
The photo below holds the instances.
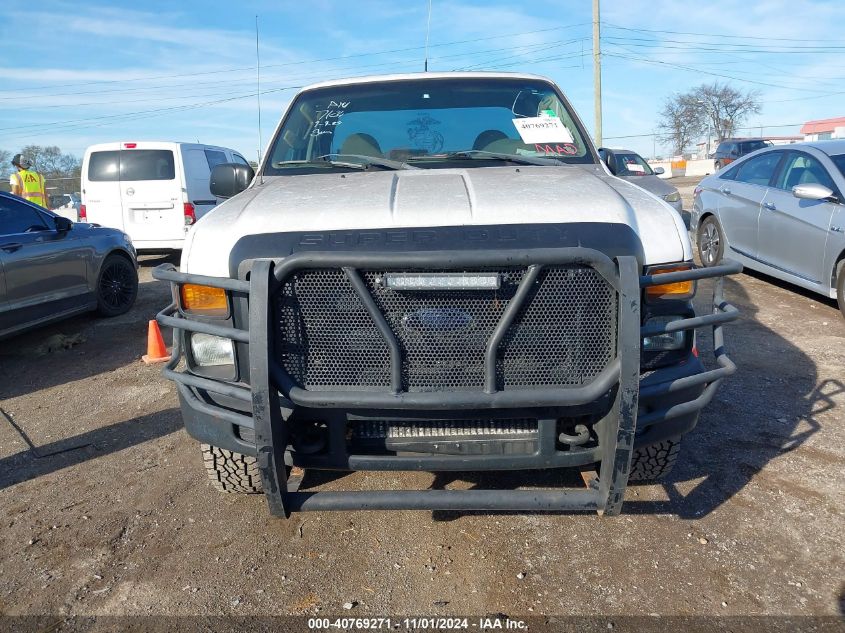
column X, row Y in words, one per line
column 597, row 69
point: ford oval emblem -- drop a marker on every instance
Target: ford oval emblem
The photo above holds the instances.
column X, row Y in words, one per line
column 437, row 319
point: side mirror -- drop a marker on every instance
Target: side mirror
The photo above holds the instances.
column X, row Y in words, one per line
column 63, row 225
column 229, row 179
column 658, row 170
column 811, row 191
column 734, row 152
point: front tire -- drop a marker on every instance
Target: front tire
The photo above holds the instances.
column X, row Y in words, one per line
column 229, row 471
column 711, row 242
column 651, row 463
column 840, row 288
column 117, row 286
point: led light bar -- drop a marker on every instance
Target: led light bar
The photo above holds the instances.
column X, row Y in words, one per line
column 442, row 281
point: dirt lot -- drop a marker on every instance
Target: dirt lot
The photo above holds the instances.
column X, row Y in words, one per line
column 751, row 522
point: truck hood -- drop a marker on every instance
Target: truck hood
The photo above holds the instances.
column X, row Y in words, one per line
column 434, row 197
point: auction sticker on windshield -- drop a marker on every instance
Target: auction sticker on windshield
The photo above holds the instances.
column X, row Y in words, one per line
column 542, row 129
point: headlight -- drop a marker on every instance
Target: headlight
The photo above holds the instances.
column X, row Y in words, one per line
column 209, row 350
column 664, row 342
column 672, row 197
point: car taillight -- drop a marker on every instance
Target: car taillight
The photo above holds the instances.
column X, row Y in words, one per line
column 190, row 214
column 83, row 213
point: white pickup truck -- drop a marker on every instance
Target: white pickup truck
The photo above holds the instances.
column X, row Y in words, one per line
column 437, row 272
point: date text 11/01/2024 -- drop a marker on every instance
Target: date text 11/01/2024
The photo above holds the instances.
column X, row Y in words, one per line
column 486, row 623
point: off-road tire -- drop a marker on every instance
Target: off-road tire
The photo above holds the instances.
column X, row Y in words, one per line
column 229, row 471
column 840, row 288
column 117, row 286
column 707, row 230
column 650, row 463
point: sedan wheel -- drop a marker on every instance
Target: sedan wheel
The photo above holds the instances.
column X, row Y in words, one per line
column 710, row 242
column 118, row 286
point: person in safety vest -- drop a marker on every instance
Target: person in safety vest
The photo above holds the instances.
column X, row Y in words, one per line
column 28, row 183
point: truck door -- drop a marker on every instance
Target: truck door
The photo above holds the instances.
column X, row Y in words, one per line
column 150, row 194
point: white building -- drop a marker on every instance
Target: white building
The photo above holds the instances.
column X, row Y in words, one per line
column 824, row 129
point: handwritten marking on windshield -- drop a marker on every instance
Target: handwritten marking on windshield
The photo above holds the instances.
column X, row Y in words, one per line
column 330, row 117
column 563, row 149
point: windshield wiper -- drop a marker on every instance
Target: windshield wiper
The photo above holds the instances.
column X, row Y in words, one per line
column 513, row 158
column 367, row 161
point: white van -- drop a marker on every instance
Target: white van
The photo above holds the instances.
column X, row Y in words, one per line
column 154, row 191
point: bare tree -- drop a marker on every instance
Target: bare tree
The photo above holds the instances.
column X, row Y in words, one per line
column 680, row 121
column 726, row 107
column 717, row 107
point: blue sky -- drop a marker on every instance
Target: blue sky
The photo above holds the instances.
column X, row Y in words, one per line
column 77, row 74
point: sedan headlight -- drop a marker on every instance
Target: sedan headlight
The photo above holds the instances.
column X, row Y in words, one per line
column 672, row 197
column 664, row 342
column 209, row 351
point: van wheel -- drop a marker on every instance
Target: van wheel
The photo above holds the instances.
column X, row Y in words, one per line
column 117, row 287
column 711, row 242
column 840, row 287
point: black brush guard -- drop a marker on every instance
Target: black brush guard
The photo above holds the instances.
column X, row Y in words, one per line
column 270, row 384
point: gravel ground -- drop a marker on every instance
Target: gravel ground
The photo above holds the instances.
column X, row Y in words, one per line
column 123, row 520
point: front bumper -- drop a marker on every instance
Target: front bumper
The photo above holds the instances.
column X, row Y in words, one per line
column 251, row 418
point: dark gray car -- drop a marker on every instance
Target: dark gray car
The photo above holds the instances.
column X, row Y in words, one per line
column 51, row 268
column 630, row 166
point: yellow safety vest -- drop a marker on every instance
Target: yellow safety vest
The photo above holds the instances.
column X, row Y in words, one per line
column 31, row 184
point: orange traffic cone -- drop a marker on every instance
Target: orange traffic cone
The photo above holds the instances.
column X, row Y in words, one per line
column 156, row 350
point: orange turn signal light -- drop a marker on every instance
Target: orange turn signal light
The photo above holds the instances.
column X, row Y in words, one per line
column 204, row 300
column 676, row 290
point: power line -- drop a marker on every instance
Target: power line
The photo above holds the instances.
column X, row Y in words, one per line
column 705, row 72
column 720, row 35
column 294, row 63
column 739, row 127
column 736, row 48
column 228, row 83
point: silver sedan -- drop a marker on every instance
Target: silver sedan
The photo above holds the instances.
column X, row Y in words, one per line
column 780, row 211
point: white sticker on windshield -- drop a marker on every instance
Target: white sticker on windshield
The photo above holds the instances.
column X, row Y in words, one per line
column 542, row 129
column 635, row 167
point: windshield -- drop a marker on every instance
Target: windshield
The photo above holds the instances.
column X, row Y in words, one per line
column 428, row 123
column 753, row 146
column 632, row 165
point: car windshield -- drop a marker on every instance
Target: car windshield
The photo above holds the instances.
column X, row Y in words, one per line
column 428, row 123
column 632, row 165
column 839, row 161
